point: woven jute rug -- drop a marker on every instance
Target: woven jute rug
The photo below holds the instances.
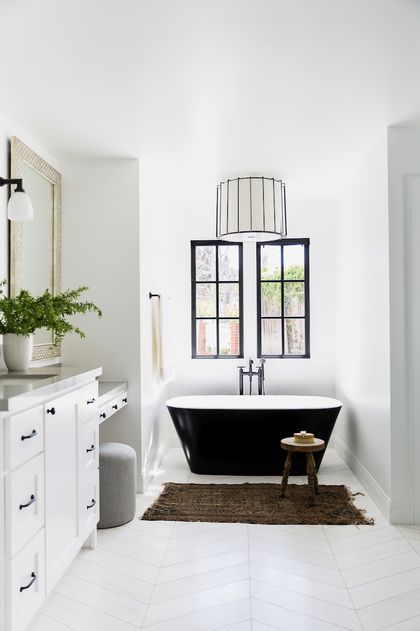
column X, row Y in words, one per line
column 255, row 504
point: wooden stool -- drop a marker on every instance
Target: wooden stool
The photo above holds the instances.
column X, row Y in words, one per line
column 289, row 445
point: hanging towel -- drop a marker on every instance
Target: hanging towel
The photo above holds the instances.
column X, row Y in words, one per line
column 157, row 346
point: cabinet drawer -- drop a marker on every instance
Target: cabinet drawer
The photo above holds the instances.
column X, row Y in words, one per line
column 117, row 403
column 89, row 505
column 89, row 448
column 24, row 504
column 88, row 406
column 24, row 436
column 26, row 583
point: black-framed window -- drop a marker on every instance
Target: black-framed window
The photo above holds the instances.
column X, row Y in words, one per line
column 217, row 299
column 283, row 298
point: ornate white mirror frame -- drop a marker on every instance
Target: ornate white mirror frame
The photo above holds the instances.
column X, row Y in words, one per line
column 22, row 157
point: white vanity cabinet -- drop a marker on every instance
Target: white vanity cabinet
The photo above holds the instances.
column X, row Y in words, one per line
column 49, row 487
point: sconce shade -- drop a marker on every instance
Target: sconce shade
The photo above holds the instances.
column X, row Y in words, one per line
column 19, row 207
column 251, row 209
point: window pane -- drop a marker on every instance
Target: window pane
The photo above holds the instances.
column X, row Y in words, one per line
column 293, row 261
column 205, row 300
column 271, row 337
column 294, row 299
column 206, row 337
column 205, row 262
column 228, row 262
column 229, row 300
column 294, row 337
column 229, row 337
column 271, row 299
column 270, row 262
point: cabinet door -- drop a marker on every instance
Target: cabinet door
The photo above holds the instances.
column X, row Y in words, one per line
column 89, row 449
column 61, row 485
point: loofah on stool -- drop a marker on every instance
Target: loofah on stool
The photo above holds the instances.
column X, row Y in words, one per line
column 303, row 438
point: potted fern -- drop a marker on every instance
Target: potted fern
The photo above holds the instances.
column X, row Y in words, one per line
column 22, row 315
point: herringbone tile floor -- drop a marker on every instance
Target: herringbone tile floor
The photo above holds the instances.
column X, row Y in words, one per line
column 172, row 576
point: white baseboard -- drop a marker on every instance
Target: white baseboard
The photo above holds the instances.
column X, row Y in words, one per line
column 376, row 492
column 145, row 477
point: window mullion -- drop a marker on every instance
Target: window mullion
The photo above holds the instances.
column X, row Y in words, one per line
column 283, row 321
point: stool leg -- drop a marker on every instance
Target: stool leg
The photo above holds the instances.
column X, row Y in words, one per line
column 286, row 471
column 311, row 478
column 315, row 475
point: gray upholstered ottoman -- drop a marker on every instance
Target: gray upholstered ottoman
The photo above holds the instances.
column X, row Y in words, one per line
column 117, row 471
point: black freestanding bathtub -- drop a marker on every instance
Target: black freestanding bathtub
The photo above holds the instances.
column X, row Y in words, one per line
column 240, row 435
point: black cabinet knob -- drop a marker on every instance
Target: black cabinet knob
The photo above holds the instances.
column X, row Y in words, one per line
column 102, row 415
column 51, row 411
column 125, row 400
column 115, row 407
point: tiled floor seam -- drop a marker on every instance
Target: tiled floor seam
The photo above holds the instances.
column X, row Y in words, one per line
column 157, row 579
column 389, row 626
column 158, row 602
column 412, row 546
column 301, row 613
column 249, row 578
column 56, row 620
column 185, row 615
column 126, row 556
column 102, row 611
column 345, row 586
column 288, row 571
column 108, row 589
column 293, row 557
column 200, row 558
column 96, row 564
column 293, row 591
column 376, row 603
column 353, row 567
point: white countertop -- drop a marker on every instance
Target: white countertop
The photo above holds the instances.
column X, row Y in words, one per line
column 19, row 390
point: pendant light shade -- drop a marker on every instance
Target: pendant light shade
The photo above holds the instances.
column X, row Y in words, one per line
column 251, row 209
column 19, row 207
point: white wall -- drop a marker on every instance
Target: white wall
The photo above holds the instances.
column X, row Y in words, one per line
column 362, row 320
column 154, row 390
column 101, row 250
column 404, row 212
column 307, row 218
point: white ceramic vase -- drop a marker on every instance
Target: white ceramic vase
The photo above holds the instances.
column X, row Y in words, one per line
column 17, row 350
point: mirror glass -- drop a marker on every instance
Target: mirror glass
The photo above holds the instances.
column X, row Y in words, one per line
column 35, row 246
column 38, row 241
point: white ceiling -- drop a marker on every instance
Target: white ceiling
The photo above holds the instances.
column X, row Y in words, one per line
column 204, row 89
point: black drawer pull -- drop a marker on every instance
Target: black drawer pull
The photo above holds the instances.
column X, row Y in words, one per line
column 91, row 505
column 102, row 415
column 31, row 501
column 125, row 400
column 91, row 448
column 91, row 401
column 31, row 435
column 115, row 407
column 51, row 411
column 31, row 582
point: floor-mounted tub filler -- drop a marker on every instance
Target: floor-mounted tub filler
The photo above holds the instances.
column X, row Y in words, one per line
column 240, row 435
